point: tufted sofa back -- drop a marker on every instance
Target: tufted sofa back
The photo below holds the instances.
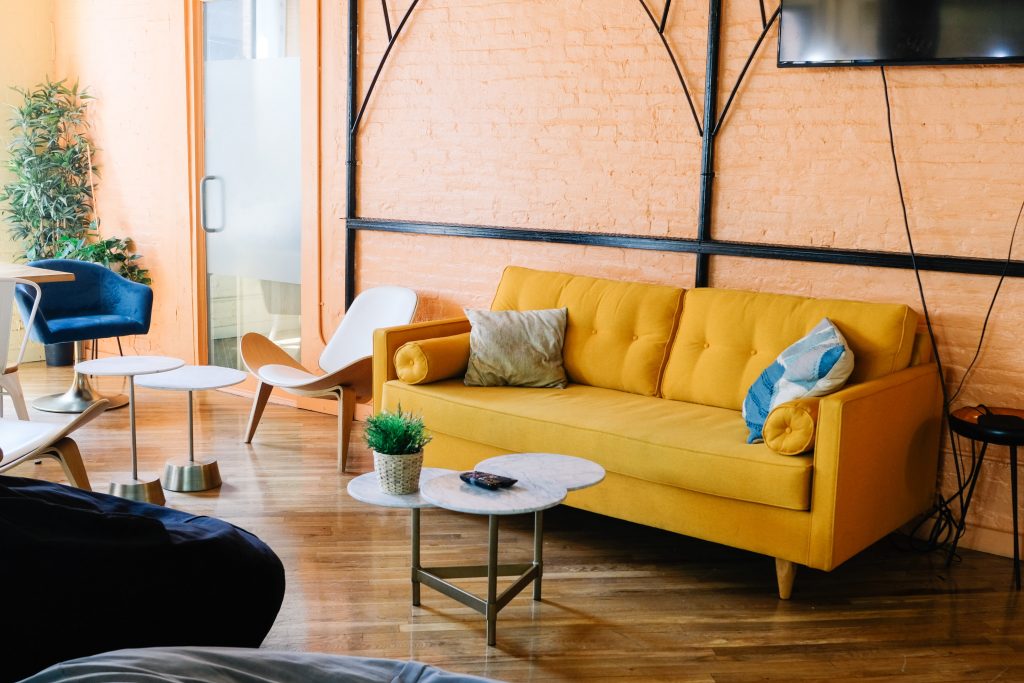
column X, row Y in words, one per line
column 726, row 338
column 617, row 334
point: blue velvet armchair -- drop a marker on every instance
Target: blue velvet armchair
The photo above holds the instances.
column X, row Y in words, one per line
column 98, row 304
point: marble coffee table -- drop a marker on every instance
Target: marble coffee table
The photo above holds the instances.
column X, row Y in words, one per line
column 187, row 474
column 366, row 488
column 526, row 496
column 145, row 488
column 565, row 470
column 544, row 480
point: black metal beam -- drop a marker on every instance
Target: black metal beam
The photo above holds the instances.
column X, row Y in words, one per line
column 746, row 65
column 707, row 153
column 592, row 239
column 660, row 28
column 849, row 257
column 350, row 155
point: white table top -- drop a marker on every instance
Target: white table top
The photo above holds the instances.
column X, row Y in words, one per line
column 366, row 488
column 551, row 468
column 193, row 378
column 451, row 493
column 125, row 366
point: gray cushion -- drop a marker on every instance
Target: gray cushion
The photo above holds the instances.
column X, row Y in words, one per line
column 516, row 348
column 239, row 665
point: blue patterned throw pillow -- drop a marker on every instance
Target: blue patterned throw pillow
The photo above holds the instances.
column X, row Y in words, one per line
column 816, row 365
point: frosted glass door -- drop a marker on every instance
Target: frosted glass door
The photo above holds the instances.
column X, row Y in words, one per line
column 251, row 189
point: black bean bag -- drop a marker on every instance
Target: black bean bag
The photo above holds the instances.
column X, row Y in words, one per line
column 83, row 573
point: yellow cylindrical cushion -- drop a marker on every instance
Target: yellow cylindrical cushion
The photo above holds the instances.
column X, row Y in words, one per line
column 790, row 427
column 431, row 360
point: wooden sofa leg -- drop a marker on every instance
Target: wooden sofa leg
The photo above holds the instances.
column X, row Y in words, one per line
column 70, row 457
column 346, row 413
column 259, row 402
column 785, row 572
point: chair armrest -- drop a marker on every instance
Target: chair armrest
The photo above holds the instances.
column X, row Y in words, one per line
column 130, row 299
column 257, row 351
column 387, row 340
column 94, row 410
column 875, row 461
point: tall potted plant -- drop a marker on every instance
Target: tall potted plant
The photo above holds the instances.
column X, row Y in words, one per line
column 397, row 440
column 51, row 195
column 50, row 202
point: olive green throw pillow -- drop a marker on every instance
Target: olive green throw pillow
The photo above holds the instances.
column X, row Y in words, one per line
column 516, row 348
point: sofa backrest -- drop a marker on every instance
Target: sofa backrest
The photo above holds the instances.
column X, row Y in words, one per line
column 617, row 333
column 726, row 338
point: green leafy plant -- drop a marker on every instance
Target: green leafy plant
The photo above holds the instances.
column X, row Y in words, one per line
column 113, row 252
column 50, row 202
column 396, row 433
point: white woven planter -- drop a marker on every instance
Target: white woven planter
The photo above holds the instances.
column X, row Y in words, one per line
column 398, row 474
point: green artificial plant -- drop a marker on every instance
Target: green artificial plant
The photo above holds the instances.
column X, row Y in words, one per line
column 50, row 201
column 396, row 433
column 113, row 252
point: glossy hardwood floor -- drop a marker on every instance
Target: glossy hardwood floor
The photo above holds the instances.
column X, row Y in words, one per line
column 621, row 602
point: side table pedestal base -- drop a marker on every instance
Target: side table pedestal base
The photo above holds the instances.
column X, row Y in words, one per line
column 145, row 489
column 188, row 476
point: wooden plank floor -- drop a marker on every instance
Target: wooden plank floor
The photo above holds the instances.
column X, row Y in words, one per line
column 621, row 602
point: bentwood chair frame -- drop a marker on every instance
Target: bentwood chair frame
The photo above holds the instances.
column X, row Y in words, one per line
column 346, row 361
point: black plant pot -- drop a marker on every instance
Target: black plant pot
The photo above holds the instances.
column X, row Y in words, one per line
column 60, row 354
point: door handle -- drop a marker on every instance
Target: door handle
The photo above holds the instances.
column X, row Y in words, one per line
column 202, row 206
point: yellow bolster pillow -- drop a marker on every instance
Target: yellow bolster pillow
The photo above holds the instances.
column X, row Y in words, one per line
column 789, row 429
column 431, row 360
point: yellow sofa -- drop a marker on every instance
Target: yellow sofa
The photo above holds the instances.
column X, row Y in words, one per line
column 657, row 378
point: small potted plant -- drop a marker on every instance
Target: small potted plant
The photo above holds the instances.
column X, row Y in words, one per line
column 397, row 440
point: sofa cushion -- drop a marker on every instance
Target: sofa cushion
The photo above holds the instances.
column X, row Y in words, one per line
column 690, row 446
column 617, row 333
column 791, row 428
column 431, row 360
column 727, row 338
column 516, row 348
column 815, row 365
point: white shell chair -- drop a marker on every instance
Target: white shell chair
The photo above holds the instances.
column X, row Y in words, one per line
column 346, row 362
column 21, row 441
column 9, row 381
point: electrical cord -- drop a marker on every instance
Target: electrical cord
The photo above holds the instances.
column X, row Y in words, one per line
column 988, row 314
column 945, row 529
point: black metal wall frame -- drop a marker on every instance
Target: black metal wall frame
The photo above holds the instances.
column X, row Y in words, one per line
column 703, row 247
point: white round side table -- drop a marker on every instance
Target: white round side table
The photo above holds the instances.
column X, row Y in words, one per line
column 131, row 486
column 187, row 474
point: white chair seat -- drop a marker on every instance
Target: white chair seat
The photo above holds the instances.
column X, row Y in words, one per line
column 284, row 376
column 18, row 437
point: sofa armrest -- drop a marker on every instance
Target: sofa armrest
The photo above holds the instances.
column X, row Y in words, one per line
column 875, row 461
column 387, row 340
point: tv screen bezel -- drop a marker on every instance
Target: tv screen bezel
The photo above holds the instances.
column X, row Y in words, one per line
column 937, row 61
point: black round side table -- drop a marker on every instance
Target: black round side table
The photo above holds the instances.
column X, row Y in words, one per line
column 1002, row 426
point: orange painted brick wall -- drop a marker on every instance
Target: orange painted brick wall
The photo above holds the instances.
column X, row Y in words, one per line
column 567, row 116
column 131, row 56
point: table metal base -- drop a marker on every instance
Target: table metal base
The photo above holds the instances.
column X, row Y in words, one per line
column 189, row 476
column 972, row 478
column 435, row 577
column 146, row 488
column 79, row 396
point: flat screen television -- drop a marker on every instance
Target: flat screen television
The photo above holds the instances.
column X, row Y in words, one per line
column 875, row 32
